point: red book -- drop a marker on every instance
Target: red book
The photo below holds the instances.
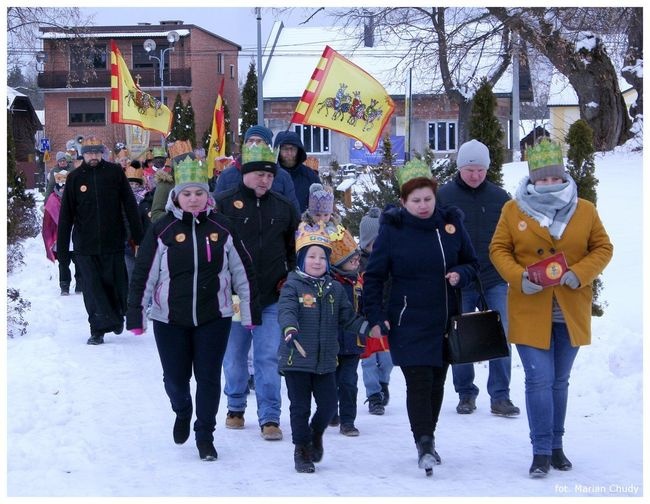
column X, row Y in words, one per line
column 548, row 271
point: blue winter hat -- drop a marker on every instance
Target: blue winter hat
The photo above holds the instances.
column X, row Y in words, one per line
column 260, row 131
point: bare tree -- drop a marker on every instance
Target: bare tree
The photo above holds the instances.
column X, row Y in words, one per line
column 451, row 49
column 581, row 56
column 24, row 23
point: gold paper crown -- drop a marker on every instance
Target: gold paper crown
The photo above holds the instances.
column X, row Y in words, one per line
column 134, row 173
column 343, row 245
column 179, row 147
column 92, row 141
column 308, row 235
column 413, row 169
column 258, row 153
column 545, row 153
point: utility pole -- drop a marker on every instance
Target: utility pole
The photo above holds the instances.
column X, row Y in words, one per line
column 260, row 75
column 516, row 151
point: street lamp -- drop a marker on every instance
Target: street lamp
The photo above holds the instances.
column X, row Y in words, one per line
column 41, row 57
column 149, row 45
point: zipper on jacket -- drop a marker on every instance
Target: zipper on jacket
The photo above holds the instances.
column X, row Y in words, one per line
column 444, row 280
column 207, row 249
column 195, row 279
column 399, row 320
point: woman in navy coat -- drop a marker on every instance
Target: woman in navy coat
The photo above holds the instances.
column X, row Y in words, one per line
column 427, row 253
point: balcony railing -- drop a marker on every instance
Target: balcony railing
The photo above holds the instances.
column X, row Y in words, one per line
column 149, row 77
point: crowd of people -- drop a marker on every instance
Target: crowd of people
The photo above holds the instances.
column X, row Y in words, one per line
column 250, row 272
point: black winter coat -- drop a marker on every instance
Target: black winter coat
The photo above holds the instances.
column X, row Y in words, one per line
column 267, row 227
column 482, row 208
column 91, row 209
column 190, row 266
column 416, row 254
column 350, row 343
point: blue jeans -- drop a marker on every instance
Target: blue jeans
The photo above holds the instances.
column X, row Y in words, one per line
column 498, row 384
column 376, row 370
column 265, row 339
column 547, row 388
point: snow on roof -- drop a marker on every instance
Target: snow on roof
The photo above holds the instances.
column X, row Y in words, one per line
column 345, row 184
column 12, row 94
column 562, row 94
column 295, row 52
column 121, row 34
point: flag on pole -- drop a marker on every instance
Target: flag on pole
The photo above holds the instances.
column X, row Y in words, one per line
column 217, row 147
column 131, row 105
column 343, row 97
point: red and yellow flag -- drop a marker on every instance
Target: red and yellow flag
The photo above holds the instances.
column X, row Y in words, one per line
column 131, row 105
column 217, row 147
column 343, row 97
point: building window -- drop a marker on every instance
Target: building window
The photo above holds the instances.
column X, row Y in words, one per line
column 442, row 136
column 220, row 64
column 232, row 71
column 141, row 57
column 314, row 138
column 87, row 58
column 90, row 111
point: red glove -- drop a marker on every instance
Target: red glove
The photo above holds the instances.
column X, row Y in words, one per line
column 374, row 345
column 137, row 331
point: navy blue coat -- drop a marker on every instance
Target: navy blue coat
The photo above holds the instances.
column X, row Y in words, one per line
column 482, row 208
column 350, row 343
column 417, row 254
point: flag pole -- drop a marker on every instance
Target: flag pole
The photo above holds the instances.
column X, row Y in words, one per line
column 260, row 76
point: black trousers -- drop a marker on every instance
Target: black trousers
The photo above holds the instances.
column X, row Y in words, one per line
column 64, row 271
column 104, row 289
column 300, row 387
column 346, row 383
column 425, row 388
column 201, row 348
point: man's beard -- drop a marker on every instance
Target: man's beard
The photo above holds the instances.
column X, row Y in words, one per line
column 288, row 163
column 93, row 162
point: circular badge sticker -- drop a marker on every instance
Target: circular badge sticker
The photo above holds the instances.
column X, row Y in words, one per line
column 450, row 228
column 83, row 188
column 214, row 236
column 554, row 270
column 180, row 237
column 238, row 204
column 522, row 225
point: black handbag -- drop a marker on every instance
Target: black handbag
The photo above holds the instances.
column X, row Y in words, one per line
column 475, row 336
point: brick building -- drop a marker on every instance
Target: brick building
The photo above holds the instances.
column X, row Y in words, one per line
column 77, row 101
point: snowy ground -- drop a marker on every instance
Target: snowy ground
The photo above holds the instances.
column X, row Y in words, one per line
column 88, row 421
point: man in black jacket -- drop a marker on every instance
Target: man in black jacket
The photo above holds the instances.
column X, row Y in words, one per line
column 91, row 211
column 291, row 157
column 266, row 222
column 481, row 201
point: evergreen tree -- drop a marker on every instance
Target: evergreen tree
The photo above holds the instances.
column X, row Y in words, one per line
column 249, row 100
column 442, row 169
column 178, row 115
column 485, row 127
column 189, row 124
column 582, row 168
column 22, row 217
column 380, row 188
column 22, row 223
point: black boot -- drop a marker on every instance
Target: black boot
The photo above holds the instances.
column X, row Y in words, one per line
column 316, row 446
column 426, row 459
column 207, row 451
column 65, row 288
column 182, row 428
column 96, row 338
column 559, row 460
column 540, row 466
column 384, row 392
column 302, row 459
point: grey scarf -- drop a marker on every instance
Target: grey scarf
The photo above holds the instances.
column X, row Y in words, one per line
column 552, row 206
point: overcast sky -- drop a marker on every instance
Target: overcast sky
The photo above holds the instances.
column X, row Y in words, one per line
column 238, row 25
